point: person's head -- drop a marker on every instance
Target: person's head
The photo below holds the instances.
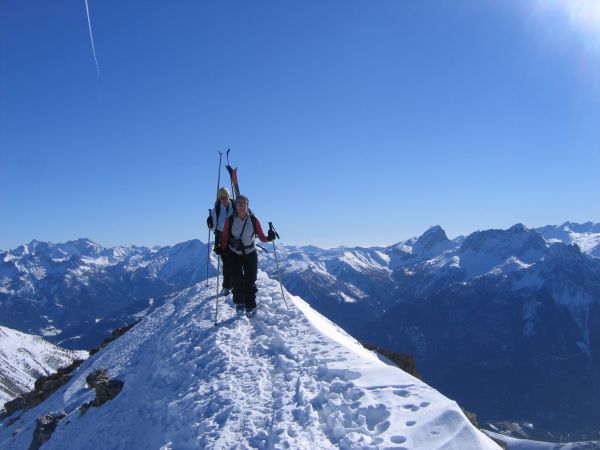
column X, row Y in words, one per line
column 223, row 195
column 241, row 202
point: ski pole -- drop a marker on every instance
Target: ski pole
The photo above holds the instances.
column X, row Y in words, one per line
column 208, row 249
column 217, row 303
column 218, row 184
column 271, row 227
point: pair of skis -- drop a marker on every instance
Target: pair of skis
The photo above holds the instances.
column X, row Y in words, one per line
column 235, row 187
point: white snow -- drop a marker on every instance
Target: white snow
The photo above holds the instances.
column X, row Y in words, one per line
column 288, row 378
column 50, row 331
column 586, row 236
column 24, row 358
column 346, row 297
column 362, row 262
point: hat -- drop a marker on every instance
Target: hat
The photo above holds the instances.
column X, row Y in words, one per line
column 242, row 198
column 223, row 191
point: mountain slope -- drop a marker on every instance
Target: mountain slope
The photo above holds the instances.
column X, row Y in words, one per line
column 24, row 358
column 585, row 235
column 72, row 293
column 288, row 378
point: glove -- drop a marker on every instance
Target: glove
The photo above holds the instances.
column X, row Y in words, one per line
column 209, row 222
column 218, row 248
column 271, row 235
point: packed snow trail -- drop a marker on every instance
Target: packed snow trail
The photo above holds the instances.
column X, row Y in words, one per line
column 283, row 379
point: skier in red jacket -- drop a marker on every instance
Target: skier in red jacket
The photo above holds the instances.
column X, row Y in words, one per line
column 238, row 240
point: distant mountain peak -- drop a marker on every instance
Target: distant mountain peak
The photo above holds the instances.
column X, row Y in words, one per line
column 515, row 241
column 433, row 237
column 518, row 228
column 562, row 251
column 435, row 230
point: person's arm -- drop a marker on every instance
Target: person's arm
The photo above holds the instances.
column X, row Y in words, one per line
column 260, row 233
column 225, row 234
column 213, row 215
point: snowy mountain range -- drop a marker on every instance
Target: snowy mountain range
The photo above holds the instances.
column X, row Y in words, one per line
column 517, row 310
column 74, row 293
column 24, row 358
column 288, row 378
column 513, row 311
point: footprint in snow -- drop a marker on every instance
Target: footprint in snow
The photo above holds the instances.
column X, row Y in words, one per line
column 402, row 393
column 410, row 423
column 398, row 439
column 411, row 406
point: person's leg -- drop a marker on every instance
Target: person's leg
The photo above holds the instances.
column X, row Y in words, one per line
column 250, row 267
column 235, row 262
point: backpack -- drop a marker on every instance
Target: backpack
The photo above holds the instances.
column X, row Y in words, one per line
column 235, row 242
column 217, row 209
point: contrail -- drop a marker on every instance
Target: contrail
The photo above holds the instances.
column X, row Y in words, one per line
column 87, row 10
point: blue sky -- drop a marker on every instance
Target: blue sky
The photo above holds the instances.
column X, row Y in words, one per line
column 351, row 122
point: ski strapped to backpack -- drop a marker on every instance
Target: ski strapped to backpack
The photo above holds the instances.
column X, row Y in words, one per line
column 235, row 188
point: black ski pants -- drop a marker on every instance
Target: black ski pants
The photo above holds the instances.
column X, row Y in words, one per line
column 243, row 273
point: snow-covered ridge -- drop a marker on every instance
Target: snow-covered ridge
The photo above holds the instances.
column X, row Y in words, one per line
column 586, row 235
column 24, row 358
column 289, row 378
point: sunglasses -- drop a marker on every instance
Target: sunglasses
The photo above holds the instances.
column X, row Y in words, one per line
column 223, row 198
column 243, row 203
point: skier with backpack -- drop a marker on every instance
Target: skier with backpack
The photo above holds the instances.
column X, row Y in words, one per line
column 223, row 209
column 237, row 241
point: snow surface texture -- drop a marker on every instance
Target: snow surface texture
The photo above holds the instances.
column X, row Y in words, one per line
column 24, row 358
column 527, row 444
column 288, row 378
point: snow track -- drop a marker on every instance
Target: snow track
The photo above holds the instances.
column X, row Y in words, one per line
column 285, row 379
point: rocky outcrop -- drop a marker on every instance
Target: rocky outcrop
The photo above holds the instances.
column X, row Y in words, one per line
column 106, row 389
column 404, row 361
column 113, row 335
column 44, row 427
column 43, row 388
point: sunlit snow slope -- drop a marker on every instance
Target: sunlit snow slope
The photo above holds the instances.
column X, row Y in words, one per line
column 284, row 379
column 24, row 358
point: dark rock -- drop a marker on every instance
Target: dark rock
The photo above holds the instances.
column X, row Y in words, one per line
column 59, row 374
column 404, row 361
column 471, row 416
column 83, row 408
column 44, row 387
column 106, row 389
column 113, row 335
column 44, row 427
